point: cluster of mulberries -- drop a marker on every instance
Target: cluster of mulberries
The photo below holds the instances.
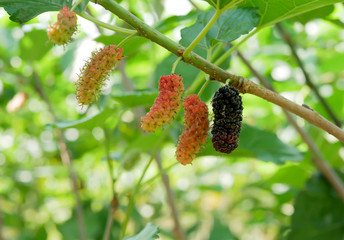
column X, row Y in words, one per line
column 196, row 129
column 227, row 108
column 61, row 32
column 95, row 72
column 166, row 104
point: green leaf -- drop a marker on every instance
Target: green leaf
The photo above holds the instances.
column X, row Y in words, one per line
column 221, row 3
column 318, row 212
column 273, row 11
column 317, row 13
column 22, row 11
column 150, row 232
column 221, row 231
column 294, row 176
column 266, row 146
column 136, row 98
column 231, row 25
column 34, row 45
column 87, row 122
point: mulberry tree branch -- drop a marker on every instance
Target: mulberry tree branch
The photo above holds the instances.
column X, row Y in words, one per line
column 287, row 39
column 243, row 84
column 318, row 159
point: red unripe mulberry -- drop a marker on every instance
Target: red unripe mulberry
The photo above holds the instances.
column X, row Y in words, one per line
column 95, row 72
column 166, row 104
column 196, row 129
column 61, row 32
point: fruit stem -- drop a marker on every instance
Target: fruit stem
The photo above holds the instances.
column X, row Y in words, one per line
column 138, row 184
column 204, row 86
column 75, row 5
column 108, row 26
column 202, row 34
column 127, row 39
column 174, row 66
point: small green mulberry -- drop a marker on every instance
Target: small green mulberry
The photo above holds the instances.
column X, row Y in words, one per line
column 61, row 32
column 95, row 72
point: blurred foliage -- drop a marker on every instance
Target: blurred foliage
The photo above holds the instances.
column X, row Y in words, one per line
column 265, row 189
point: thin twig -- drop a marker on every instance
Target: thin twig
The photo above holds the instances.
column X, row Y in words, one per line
column 65, row 157
column 113, row 207
column 217, row 73
column 318, row 159
column 288, row 40
column 178, row 231
column 1, row 226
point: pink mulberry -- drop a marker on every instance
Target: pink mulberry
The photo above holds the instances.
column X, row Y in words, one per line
column 95, row 72
column 196, row 129
column 61, row 32
column 166, row 104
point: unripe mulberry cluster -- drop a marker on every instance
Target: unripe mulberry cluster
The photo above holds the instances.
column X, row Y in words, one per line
column 61, row 32
column 196, row 129
column 166, row 104
column 95, row 72
column 227, row 108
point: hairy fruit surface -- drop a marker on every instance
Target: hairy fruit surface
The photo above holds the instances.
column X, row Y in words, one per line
column 95, row 72
column 61, row 32
column 227, row 108
column 166, row 104
column 196, row 129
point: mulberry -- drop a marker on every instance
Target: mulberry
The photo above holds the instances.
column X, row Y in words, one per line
column 61, row 32
column 227, row 108
column 166, row 104
column 95, row 72
column 196, row 129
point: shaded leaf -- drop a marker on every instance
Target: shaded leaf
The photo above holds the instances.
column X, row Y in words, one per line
column 22, row 11
column 150, row 232
column 318, row 212
column 221, row 231
column 231, row 25
column 266, row 146
column 136, row 98
column 221, row 3
column 87, row 122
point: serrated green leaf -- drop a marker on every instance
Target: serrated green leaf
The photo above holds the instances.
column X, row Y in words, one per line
column 136, row 98
column 150, row 232
column 266, row 146
column 22, row 11
column 318, row 212
column 87, row 122
column 273, row 11
column 231, row 25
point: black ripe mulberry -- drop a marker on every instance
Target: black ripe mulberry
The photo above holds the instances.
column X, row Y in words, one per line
column 227, row 108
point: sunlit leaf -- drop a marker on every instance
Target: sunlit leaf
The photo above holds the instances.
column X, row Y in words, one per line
column 136, row 98
column 150, row 232
column 273, row 11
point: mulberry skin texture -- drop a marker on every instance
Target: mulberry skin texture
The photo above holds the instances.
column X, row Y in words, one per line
column 227, row 108
column 61, row 32
column 166, row 104
column 196, row 129
column 95, row 72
